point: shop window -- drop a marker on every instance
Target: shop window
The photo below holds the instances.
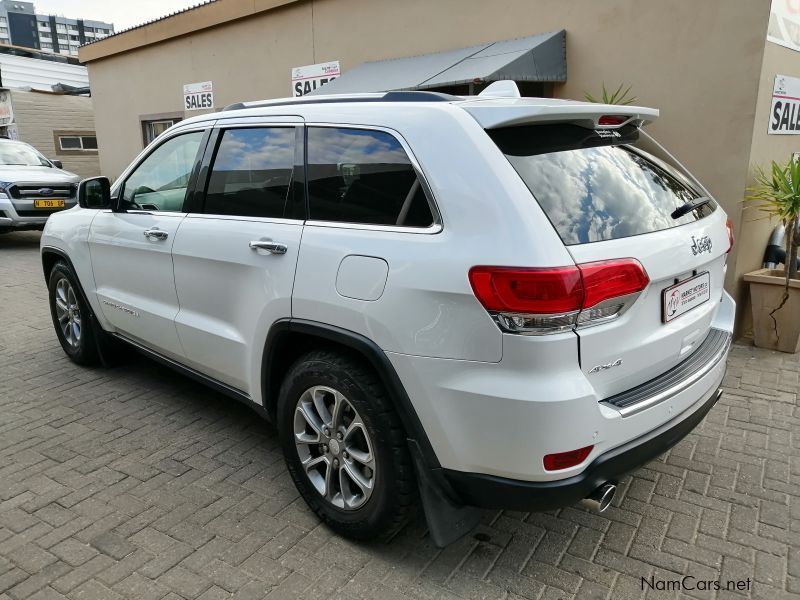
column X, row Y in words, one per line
column 75, row 142
column 252, row 173
column 363, row 176
column 152, row 129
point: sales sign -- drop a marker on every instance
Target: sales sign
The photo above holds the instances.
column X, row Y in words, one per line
column 310, row 77
column 198, row 96
column 784, row 116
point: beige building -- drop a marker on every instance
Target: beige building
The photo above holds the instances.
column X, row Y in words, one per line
column 706, row 65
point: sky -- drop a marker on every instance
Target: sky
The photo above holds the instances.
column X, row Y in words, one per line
column 122, row 13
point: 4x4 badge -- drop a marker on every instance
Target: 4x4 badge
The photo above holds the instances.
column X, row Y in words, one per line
column 599, row 368
column 700, row 245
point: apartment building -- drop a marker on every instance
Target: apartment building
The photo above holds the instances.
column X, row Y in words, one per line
column 20, row 25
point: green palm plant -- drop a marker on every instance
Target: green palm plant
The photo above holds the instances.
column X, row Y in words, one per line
column 776, row 192
column 618, row 96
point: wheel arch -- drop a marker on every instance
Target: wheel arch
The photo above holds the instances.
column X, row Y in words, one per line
column 288, row 339
column 50, row 256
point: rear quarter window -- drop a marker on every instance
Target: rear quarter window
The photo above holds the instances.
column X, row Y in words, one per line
column 596, row 186
column 363, row 176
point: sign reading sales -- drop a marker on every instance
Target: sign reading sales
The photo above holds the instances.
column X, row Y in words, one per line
column 198, row 96
column 784, row 118
column 307, row 79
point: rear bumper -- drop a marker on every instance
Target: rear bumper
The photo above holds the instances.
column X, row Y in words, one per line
column 487, row 491
column 500, row 419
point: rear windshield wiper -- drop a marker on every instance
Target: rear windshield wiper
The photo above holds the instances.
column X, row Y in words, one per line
column 690, row 206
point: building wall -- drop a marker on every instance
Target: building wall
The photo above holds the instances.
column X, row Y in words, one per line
column 755, row 230
column 699, row 62
column 246, row 60
column 38, row 115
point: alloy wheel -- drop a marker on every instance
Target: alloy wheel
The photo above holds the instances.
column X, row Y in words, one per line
column 334, row 447
column 68, row 312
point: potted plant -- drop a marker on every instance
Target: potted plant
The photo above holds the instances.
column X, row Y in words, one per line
column 618, row 96
column 775, row 293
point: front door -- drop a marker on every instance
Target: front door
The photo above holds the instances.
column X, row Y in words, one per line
column 131, row 247
column 235, row 259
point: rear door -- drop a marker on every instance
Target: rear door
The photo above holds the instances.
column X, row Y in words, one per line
column 608, row 200
column 131, row 246
column 235, row 253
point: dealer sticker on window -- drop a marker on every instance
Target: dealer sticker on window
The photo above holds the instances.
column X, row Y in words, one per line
column 686, row 295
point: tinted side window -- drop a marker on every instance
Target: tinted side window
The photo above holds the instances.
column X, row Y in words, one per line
column 252, row 173
column 363, row 176
column 160, row 181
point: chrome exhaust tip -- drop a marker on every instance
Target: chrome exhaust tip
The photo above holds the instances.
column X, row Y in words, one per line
column 601, row 498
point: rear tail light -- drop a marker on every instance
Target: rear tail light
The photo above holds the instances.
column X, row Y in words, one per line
column 729, row 226
column 565, row 460
column 540, row 301
column 557, row 290
column 607, row 279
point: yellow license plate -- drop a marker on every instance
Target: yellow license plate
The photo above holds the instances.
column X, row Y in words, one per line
column 48, row 204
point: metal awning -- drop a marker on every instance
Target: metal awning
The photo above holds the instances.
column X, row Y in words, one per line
column 541, row 57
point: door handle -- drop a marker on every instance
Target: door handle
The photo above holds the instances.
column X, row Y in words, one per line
column 269, row 246
column 155, row 234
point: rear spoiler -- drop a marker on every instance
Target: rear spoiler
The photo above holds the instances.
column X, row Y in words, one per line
column 494, row 113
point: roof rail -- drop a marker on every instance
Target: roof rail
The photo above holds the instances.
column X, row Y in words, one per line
column 407, row 96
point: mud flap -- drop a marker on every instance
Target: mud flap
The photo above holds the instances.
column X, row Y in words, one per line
column 448, row 521
column 104, row 344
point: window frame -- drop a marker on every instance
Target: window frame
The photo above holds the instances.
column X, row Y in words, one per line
column 146, row 120
column 298, row 172
column 119, row 190
column 434, row 228
column 148, row 131
column 74, row 133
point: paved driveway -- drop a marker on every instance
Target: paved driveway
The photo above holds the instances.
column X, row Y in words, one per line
column 135, row 482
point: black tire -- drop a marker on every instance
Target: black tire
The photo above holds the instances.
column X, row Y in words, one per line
column 83, row 348
column 393, row 497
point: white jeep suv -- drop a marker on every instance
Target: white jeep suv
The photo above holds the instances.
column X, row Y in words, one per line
column 489, row 301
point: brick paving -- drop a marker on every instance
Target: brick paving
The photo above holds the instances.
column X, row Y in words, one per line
column 134, row 482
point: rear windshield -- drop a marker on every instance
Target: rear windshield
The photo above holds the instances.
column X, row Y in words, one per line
column 596, row 185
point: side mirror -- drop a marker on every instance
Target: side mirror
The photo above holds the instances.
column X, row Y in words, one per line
column 94, row 193
column 57, row 164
